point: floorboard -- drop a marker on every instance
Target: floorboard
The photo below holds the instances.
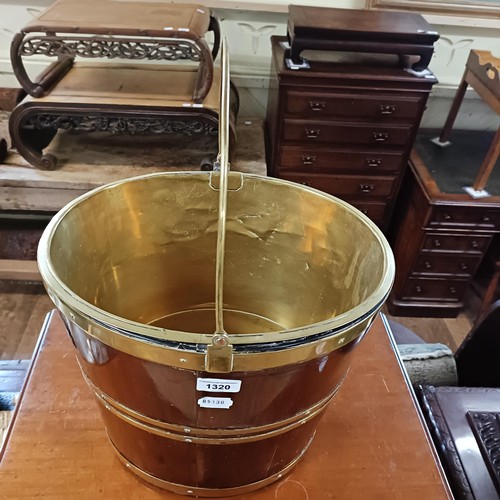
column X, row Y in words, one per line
column 23, row 308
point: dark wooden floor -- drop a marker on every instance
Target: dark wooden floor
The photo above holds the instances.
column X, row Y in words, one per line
column 23, row 308
column 448, row 331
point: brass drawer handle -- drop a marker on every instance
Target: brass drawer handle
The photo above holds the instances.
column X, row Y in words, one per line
column 447, row 217
column 427, row 265
column 366, row 188
column 380, row 136
column 387, row 109
column 453, row 290
column 309, row 160
column 486, row 218
column 474, row 244
column 418, row 289
column 437, row 243
column 317, row 105
column 373, row 162
column 464, row 266
column 312, row 133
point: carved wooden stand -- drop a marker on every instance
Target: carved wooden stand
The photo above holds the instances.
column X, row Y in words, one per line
column 404, row 34
column 118, row 98
column 67, row 30
column 88, row 100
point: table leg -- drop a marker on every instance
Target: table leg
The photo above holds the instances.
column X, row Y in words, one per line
column 3, row 150
column 30, row 142
column 488, row 163
column 457, row 101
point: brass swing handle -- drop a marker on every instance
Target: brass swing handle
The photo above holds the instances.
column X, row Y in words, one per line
column 219, row 354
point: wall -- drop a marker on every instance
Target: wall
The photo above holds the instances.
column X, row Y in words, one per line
column 248, row 27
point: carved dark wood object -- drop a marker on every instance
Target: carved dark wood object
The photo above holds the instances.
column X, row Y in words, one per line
column 382, row 32
column 124, row 30
column 33, row 126
column 464, row 423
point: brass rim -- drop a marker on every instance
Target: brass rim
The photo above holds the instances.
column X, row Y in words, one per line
column 158, row 352
column 142, row 331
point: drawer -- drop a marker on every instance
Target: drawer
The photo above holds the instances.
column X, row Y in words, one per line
column 471, row 217
column 435, row 289
column 304, row 159
column 312, row 132
column 375, row 211
column 346, row 185
column 457, row 265
column 382, row 107
column 441, row 242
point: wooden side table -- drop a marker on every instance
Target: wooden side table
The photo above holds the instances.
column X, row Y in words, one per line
column 382, row 32
column 111, row 29
column 372, row 441
column 482, row 73
column 119, row 99
column 134, row 99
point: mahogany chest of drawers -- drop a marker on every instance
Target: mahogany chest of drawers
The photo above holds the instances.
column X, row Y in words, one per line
column 439, row 239
column 345, row 128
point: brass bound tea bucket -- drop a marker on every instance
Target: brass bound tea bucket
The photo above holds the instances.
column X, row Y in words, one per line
column 145, row 270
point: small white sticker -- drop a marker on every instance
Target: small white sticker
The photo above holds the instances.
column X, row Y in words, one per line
column 217, row 385
column 212, row 402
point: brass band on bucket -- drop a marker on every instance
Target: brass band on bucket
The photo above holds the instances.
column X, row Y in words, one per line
column 209, row 436
column 208, row 492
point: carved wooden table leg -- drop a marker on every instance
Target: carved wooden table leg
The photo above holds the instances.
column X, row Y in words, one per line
column 3, row 150
column 29, row 140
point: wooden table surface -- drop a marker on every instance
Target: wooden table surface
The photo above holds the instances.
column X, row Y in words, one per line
column 370, row 444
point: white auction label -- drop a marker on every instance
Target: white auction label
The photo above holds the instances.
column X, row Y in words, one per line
column 217, row 385
column 213, row 402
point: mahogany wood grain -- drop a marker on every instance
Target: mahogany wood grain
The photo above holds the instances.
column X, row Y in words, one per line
column 371, row 442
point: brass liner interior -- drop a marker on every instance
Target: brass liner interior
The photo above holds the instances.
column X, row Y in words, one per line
column 143, row 251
